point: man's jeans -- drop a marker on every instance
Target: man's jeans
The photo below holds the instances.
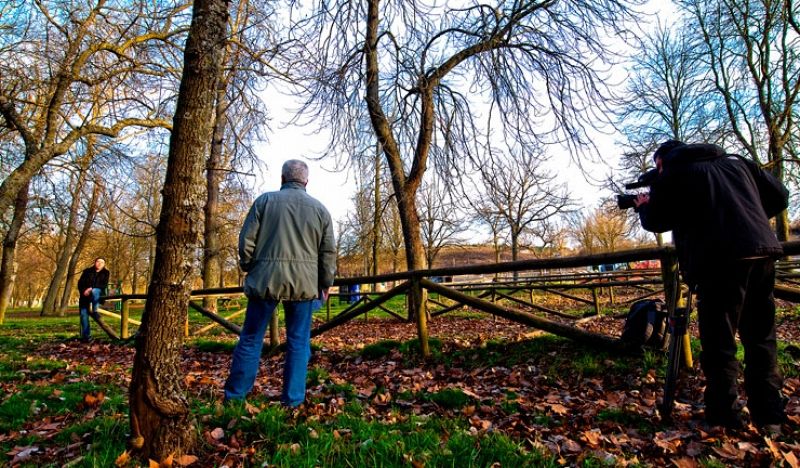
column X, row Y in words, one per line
column 83, row 305
column 247, row 354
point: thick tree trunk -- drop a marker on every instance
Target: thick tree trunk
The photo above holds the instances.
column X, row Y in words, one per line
column 415, row 260
column 49, row 306
column 7, row 264
column 76, row 254
column 211, row 252
column 161, row 424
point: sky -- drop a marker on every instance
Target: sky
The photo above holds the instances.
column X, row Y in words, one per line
column 335, row 189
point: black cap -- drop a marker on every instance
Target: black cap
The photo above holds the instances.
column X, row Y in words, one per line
column 666, row 147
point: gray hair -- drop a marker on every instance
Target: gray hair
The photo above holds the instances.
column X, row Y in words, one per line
column 295, row 170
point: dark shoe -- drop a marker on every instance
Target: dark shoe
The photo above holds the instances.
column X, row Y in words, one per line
column 734, row 421
column 773, row 431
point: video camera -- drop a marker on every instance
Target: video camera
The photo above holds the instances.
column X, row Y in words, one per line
column 626, row 200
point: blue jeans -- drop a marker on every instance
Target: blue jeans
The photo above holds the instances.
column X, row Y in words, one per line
column 84, row 303
column 247, row 354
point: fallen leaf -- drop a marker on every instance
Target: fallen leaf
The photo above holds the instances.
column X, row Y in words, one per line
column 791, row 459
column 728, row 451
column 218, row 433
column 186, row 460
column 559, row 409
column 773, row 448
column 122, row 459
column 592, row 437
column 571, row 446
column 685, row 462
column 251, row 410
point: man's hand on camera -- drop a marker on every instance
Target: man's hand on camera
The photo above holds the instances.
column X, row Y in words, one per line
column 641, row 199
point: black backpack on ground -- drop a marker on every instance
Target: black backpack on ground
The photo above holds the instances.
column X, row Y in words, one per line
column 646, row 324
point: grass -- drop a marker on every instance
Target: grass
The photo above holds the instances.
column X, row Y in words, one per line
column 52, row 390
column 351, row 440
column 450, row 398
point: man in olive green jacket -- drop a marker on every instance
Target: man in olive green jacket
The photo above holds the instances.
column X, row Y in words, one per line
column 287, row 249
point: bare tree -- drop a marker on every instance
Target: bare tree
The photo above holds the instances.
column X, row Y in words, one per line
column 91, row 211
column 60, row 61
column 50, row 305
column 239, row 119
column 605, row 229
column 440, row 219
column 161, row 423
column 425, row 71
column 74, row 69
column 750, row 48
column 523, row 195
column 668, row 96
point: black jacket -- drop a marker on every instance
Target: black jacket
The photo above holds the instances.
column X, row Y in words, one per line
column 91, row 278
column 717, row 206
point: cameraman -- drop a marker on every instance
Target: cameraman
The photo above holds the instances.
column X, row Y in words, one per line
column 718, row 206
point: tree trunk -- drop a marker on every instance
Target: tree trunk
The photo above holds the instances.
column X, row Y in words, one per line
column 8, row 268
column 49, row 306
column 161, row 425
column 415, row 260
column 515, row 249
column 376, row 219
column 211, row 252
column 782, row 220
column 76, row 254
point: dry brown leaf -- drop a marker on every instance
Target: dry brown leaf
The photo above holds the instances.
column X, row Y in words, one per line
column 667, row 445
column 791, row 459
column 571, row 446
column 685, row 462
column 729, row 452
column 773, row 448
column 186, row 460
column 592, row 437
column 251, row 410
column 137, row 442
column 122, row 459
column 167, row 462
column 153, row 464
column 559, row 409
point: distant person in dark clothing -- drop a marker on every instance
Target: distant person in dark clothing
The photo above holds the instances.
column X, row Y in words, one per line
column 91, row 285
column 718, row 207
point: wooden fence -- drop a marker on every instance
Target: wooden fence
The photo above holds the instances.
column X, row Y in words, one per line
column 504, row 286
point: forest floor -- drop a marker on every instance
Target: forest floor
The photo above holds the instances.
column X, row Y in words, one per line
column 493, row 393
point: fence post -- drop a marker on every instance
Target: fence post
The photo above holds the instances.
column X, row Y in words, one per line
column 596, row 299
column 123, row 319
column 416, row 300
column 273, row 329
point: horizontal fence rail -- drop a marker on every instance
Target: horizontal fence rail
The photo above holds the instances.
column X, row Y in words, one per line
column 532, row 276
